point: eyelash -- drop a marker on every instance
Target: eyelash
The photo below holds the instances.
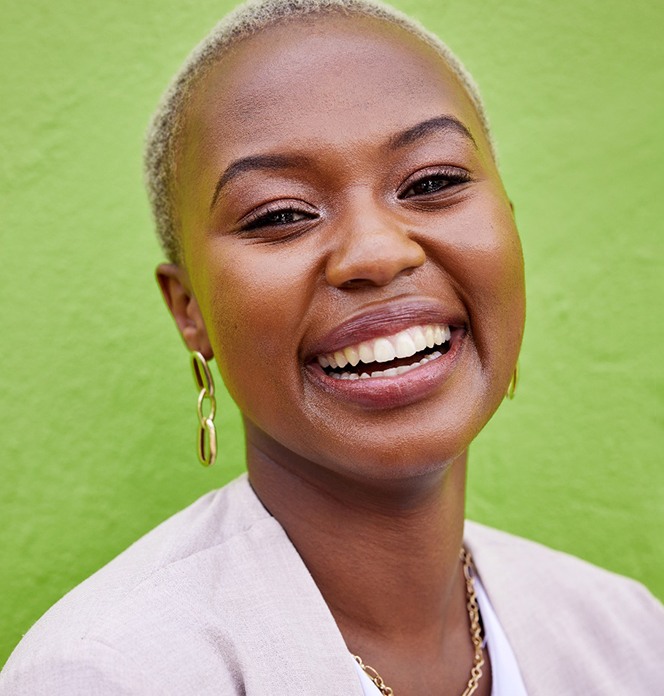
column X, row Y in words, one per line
column 448, row 177
column 452, row 176
column 266, row 217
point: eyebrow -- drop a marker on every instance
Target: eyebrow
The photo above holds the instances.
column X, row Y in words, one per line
column 425, row 128
column 407, row 137
column 253, row 162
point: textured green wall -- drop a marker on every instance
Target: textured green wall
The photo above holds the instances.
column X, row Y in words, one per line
column 96, row 397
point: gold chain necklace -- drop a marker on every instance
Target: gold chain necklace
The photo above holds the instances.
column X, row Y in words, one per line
column 475, row 636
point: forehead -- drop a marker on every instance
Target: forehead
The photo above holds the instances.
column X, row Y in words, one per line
column 324, row 80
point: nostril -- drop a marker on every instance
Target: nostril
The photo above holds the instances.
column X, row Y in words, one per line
column 355, row 283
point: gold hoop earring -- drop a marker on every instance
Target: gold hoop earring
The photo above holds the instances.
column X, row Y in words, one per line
column 207, row 435
column 511, row 387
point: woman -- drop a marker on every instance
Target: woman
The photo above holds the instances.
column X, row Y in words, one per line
column 340, row 241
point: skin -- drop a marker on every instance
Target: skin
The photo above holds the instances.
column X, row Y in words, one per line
column 331, row 92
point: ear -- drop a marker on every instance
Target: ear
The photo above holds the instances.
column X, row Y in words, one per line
column 176, row 289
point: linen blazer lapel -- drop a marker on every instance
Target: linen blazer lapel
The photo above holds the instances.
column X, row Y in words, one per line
column 286, row 639
column 574, row 628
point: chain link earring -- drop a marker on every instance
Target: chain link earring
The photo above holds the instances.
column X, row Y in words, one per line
column 207, row 434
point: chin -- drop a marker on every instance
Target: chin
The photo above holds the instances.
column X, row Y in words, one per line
column 410, row 441
column 392, row 450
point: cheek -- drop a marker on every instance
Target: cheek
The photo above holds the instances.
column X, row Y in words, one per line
column 489, row 261
column 253, row 311
column 484, row 258
column 497, row 279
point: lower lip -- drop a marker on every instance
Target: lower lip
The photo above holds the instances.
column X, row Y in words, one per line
column 392, row 392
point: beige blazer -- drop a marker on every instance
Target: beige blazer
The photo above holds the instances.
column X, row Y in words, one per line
column 217, row 601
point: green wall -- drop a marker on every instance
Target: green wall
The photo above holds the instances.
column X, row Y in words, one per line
column 96, row 398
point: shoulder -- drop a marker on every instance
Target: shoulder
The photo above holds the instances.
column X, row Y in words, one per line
column 547, row 570
column 570, row 623
column 216, row 600
column 89, row 667
column 163, row 583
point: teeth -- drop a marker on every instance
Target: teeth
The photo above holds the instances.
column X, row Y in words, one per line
column 384, row 350
column 366, row 353
column 419, row 338
column 391, row 372
column 345, row 375
column 400, row 345
column 352, row 355
column 405, row 346
column 340, row 359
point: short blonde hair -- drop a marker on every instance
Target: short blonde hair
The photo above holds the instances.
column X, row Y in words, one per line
column 245, row 21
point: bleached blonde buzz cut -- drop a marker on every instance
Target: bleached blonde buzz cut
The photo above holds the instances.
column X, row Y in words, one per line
column 247, row 20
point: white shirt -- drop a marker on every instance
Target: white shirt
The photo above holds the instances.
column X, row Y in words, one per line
column 505, row 675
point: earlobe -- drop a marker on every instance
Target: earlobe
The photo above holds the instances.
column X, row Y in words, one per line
column 182, row 304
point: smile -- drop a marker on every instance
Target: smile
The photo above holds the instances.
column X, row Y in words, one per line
column 391, row 356
column 388, row 356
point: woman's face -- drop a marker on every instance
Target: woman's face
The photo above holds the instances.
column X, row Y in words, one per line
column 337, row 195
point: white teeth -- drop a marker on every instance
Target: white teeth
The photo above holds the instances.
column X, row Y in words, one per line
column 403, row 344
column 340, row 359
column 366, row 353
column 441, row 334
column 384, row 350
column 345, row 375
column 391, row 372
column 352, row 355
column 419, row 338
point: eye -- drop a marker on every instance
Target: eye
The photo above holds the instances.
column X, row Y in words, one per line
column 433, row 181
column 276, row 215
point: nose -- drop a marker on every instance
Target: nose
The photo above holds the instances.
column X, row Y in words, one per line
column 372, row 250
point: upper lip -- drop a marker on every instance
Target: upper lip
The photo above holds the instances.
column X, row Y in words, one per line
column 385, row 320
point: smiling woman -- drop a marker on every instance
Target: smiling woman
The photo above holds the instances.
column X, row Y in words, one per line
column 339, row 240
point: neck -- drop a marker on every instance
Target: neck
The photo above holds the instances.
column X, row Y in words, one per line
column 384, row 554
